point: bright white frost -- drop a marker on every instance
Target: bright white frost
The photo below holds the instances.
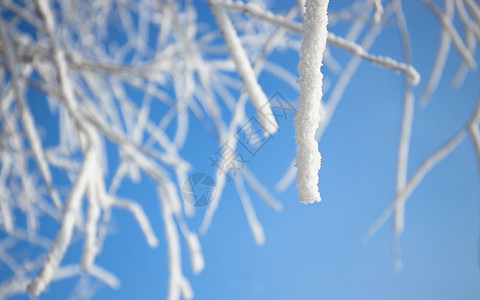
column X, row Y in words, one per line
column 244, row 69
column 307, row 117
column 86, row 77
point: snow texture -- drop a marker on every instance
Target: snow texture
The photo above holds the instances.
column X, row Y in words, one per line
column 307, row 117
column 87, row 80
column 244, row 69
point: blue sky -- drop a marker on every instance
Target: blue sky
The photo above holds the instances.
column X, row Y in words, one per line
column 316, row 251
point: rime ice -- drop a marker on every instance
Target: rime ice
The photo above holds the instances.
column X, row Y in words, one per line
column 307, row 117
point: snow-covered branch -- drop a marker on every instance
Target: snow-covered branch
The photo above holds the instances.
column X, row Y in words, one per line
column 244, row 69
column 398, row 205
column 332, row 39
column 307, row 116
column 98, row 94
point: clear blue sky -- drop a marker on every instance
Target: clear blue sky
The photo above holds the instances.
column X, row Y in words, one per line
column 316, row 251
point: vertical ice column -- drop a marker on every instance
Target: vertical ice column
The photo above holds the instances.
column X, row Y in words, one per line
column 307, row 117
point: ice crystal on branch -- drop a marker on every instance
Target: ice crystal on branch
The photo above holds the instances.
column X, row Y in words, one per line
column 307, row 117
column 124, row 82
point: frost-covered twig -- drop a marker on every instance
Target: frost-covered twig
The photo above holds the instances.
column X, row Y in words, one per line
column 378, row 10
column 334, row 40
column 84, row 90
column 134, row 96
column 474, row 9
column 307, row 116
column 441, row 58
column 27, row 119
column 227, row 138
column 244, row 69
column 457, row 41
column 5, row 210
column 398, row 205
column 96, row 271
column 90, row 247
column 328, row 109
column 261, row 190
column 408, row 106
column 255, row 226
column 407, row 119
column 386, row 62
column 472, row 32
column 64, row 235
column 178, row 284
column 475, row 133
column 141, row 218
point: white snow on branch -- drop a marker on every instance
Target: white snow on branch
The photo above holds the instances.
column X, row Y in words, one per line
column 384, row 61
column 255, row 226
column 472, row 34
column 87, row 80
column 261, row 190
column 178, row 284
column 450, row 29
column 141, row 218
column 228, row 138
column 474, row 9
column 475, row 135
column 398, row 205
column 90, row 249
column 6, row 212
column 441, row 58
column 244, row 69
column 378, row 10
column 307, row 116
column 64, row 235
column 332, row 39
column 27, row 119
column 194, row 247
column 327, row 110
column 105, row 276
column 96, row 271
